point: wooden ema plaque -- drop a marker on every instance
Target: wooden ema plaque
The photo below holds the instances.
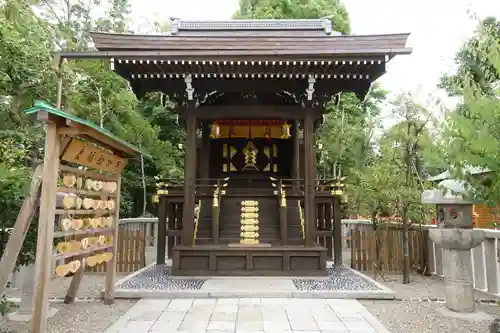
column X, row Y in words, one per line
column 85, row 153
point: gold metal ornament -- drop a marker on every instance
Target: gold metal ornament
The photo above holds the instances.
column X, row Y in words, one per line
column 249, row 228
column 249, row 215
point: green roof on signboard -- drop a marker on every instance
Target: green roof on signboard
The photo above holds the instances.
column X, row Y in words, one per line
column 46, row 107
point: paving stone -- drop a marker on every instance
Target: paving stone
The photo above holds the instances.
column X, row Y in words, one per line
column 302, row 322
column 180, row 304
column 194, row 325
column 221, row 325
column 228, row 301
column 205, row 302
column 359, row 326
column 249, row 315
column 336, row 326
column 276, row 326
column 250, row 301
column 172, row 316
column 166, row 326
column 223, row 316
column 246, row 325
column 226, row 308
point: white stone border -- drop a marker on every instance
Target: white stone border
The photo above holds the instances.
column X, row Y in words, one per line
column 382, row 293
column 341, row 294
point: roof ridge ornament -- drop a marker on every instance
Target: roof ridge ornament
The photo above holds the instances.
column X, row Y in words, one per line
column 175, row 26
column 327, row 24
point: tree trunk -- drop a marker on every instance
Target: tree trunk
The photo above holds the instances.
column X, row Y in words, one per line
column 144, row 189
column 406, row 258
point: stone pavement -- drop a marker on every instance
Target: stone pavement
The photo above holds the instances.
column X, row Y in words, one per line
column 252, row 315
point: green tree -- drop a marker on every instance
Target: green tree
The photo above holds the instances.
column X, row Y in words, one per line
column 105, row 98
column 471, row 133
column 296, row 9
column 26, row 74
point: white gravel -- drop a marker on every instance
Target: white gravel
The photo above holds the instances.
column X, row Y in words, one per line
column 414, row 316
column 92, row 317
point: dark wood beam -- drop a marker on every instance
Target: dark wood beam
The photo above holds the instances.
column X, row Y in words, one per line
column 249, row 112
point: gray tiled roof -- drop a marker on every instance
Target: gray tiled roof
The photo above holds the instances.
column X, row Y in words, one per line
column 315, row 24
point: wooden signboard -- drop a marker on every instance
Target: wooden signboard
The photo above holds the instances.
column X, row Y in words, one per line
column 87, row 227
column 88, row 154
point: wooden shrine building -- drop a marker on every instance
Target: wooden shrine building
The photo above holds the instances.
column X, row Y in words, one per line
column 250, row 94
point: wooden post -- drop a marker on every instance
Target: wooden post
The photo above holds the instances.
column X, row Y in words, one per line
column 189, row 179
column 296, row 154
column 329, row 226
column 309, row 191
column 46, row 229
column 320, row 209
column 215, row 224
column 23, row 221
column 205, row 154
column 337, row 231
column 109, row 286
column 162, row 230
column 172, row 216
column 283, row 225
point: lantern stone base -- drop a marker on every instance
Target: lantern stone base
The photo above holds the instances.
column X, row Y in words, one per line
column 457, row 266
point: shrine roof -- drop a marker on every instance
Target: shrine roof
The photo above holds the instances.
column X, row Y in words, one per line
column 243, row 50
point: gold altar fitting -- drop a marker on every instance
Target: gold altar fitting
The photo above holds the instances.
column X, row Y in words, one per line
column 249, row 203
column 249, row 228
column 249, row 222
column 249, row 209
column 249, row 215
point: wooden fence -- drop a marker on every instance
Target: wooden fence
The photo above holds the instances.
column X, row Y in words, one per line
column 131, row 254
column 385, row 248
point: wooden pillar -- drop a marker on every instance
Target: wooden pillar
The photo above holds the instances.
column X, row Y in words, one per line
column 309, row 186
column 296, row 153
column 329, row 226
column 205, row 153
column 162, row 230
column 172, row 216
column 337, row 231
column 46, row 229
column 283, row 224
column 109, row 286
column 189, row 178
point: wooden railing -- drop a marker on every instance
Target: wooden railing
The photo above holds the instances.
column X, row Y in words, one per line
column 383, row 249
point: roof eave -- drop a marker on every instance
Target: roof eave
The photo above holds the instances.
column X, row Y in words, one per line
column 215, row 53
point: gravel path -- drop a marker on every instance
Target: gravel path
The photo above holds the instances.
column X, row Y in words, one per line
column 414, row 316
column 90, row 286
column 81, row 317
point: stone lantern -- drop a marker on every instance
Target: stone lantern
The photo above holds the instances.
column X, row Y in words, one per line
column 455, row 234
